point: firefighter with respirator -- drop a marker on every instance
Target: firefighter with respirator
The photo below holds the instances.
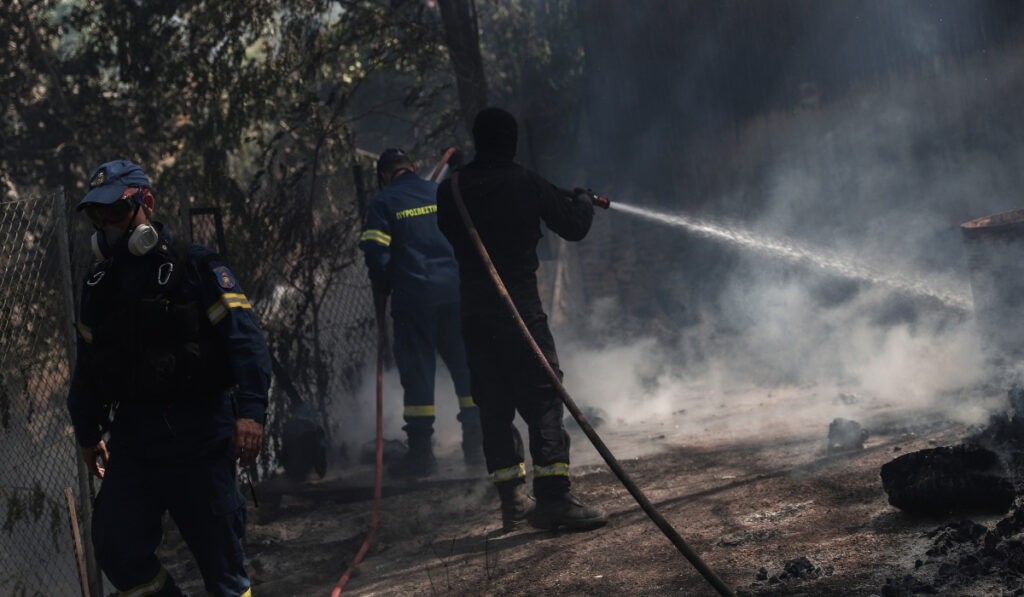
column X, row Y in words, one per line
column 165, row 331
column 507, row 204
column 409, row 259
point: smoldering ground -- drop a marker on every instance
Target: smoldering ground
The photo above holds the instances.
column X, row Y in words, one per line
column 876, row 184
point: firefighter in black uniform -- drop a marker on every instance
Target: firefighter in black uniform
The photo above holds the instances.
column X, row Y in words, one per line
column 507, row 204
column 164, row 332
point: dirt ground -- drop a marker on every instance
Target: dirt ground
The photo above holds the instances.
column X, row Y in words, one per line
column 752, row 489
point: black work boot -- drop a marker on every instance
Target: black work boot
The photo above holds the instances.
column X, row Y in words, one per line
column 566, row 511
column 419, row 460
column 516, row 504
column 472, row 444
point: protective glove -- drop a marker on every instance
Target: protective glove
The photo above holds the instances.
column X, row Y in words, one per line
column 591, row 196
column 583, row 194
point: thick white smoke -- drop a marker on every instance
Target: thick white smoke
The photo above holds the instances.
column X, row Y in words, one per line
column 882, row 178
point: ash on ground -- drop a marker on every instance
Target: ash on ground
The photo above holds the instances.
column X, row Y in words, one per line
column 964, row 555
column 792, row 570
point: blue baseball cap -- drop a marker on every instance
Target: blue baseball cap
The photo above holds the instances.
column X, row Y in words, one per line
column 109, row 182
column 389, row 158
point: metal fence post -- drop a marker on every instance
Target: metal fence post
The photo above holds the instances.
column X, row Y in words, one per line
column 85, row 489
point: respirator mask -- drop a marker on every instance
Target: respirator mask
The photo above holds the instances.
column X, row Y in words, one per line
column 106, row 218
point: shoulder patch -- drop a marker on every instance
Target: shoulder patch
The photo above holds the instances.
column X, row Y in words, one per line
column 224, row 277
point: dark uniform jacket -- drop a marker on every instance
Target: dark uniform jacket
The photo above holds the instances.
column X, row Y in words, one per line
column 506, row 203
column 162, row 337
column 404, row 248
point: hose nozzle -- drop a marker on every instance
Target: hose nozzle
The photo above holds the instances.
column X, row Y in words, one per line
column 598, row 200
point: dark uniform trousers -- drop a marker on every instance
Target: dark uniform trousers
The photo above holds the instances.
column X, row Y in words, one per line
column 507, row 377
column 143, row 321
column 421, row 333
column 203, row 500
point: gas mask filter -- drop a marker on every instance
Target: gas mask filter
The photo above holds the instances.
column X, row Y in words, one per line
column 141, row 239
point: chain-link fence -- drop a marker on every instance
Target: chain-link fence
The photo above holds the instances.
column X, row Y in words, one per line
column 314, row 303
column 36, row 354
column 40, row 459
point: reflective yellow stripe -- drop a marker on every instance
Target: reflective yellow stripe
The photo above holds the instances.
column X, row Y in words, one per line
column 419, row 411
column 558, row 469
column 466, row 402
column 247, row 593
column 216, row 312
column 228, row 300
column 513, row 472
column 235, row 300
column 416, row 211
column 86, row 332
column 148, row 588
column 376, row 236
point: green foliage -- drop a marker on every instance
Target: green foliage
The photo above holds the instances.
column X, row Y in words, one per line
column 257, row 107
column 240, row 104
column 534, row 58
column 300, row 215
column 181, row 86
column 530, row 47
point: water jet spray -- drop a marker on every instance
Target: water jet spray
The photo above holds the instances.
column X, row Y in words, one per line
column 793, row 252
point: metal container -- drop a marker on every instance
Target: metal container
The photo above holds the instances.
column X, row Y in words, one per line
column 995, row 260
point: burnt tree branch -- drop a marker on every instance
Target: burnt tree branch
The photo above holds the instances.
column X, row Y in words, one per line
column 463, row 38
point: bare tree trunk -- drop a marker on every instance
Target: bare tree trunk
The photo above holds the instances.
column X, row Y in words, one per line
column 463, row 37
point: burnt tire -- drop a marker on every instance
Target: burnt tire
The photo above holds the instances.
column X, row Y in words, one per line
column 962, row 478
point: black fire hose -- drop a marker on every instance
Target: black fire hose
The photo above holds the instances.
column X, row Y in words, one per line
column 609, row 458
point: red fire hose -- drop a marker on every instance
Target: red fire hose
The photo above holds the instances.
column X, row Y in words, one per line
column 609, row 458
column 380, row 304
column 440, row 165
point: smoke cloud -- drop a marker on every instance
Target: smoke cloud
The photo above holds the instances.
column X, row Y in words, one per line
column 879, row 177
column 865, row 133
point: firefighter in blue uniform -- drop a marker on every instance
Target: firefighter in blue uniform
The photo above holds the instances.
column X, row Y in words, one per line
column 409, row 258
column 164, row 332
